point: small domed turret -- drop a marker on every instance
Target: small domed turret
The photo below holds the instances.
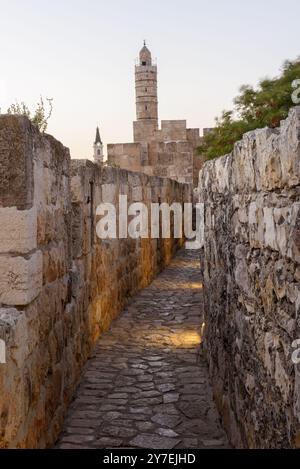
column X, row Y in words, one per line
column 145, row 56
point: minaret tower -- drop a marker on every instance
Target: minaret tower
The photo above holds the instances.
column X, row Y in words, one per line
column 98, row 148
column 146, row 92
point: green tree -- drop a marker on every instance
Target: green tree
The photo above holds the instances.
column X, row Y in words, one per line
column 264, row 106
column 41, row 115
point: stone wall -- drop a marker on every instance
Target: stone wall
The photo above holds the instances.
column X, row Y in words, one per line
column 60, row 286
column 251, row 275
column 130, row 156
column 166, row 152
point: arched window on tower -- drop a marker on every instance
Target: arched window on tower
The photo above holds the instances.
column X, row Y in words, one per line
column 98, row 152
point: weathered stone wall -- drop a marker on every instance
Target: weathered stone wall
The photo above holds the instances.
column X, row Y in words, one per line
column 166, row 152
column 130, row 156
column 251, row 275
column 35, row 263
column 60, row 286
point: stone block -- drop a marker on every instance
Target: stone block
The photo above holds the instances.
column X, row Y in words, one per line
column 268, row 172
column 77, row 189
column 137, row 194
column 134, row 179
column 244, row 153
column 293, row 250
column 270, row 230
column 109, row 193
column 14, row 333
column 20, row 279
column 289, row 147
column 282, row 219
column 16, row 155
column 18, row 230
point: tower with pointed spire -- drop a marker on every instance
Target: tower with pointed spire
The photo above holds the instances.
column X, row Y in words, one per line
column 167, row 151
column 146, row 93
column 98, row 147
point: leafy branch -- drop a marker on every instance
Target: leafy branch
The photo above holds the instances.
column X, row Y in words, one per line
column 41, row 115
column 264, row 106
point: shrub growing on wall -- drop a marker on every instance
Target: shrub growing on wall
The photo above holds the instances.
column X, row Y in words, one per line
column 264, row 106
column 40, row 117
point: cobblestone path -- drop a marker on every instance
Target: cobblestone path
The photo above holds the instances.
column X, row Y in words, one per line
column 146, row 385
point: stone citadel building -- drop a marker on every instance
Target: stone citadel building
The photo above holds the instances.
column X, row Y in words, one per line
column 168, row 151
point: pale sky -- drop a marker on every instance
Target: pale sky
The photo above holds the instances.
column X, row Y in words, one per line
column 82, row 53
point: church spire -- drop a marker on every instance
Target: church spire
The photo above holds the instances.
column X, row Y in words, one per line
column 98, row 147
column 98, row 138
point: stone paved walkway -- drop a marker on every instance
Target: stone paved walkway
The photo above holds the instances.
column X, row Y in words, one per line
column 146, row 386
